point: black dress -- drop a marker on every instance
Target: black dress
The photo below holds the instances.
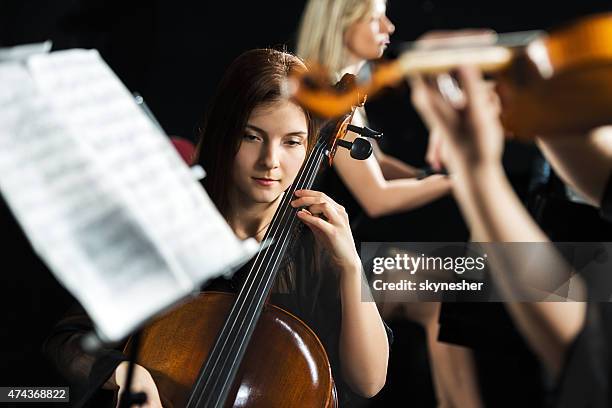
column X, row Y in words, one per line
column 306, row 287
column 586, row 377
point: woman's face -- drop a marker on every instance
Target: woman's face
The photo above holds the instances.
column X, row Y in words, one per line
column 271, row 152
column 367, row 38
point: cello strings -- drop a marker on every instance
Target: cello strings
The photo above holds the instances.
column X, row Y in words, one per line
column 270, row 254
column 274, row 256
column 267, row 279
column 231, row 334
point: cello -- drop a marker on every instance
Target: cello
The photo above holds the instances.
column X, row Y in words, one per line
column 548, row 83
column 207, row 353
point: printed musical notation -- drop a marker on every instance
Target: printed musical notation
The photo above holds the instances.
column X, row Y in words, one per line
column 102, row 195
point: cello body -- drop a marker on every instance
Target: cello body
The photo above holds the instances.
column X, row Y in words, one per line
column 285, row 364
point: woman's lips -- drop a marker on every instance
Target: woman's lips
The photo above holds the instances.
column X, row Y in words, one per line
column 265, row 181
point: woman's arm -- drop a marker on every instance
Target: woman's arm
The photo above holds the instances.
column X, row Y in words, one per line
column 364, row 347
column 495, row 214
column 569, row 156
column 391, row 167
column 474, row 140
column 378, row 196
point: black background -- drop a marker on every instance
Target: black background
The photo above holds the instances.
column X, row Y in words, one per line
column 174, row 53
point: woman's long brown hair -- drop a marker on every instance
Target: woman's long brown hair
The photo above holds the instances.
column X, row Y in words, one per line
column 256, row 77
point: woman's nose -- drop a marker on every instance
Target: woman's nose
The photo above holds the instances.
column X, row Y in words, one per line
column 389, row 27
column 269, row 157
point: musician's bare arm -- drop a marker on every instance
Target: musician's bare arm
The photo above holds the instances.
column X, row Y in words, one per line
column 584, row 162
column 364, row 347
column 474, row 140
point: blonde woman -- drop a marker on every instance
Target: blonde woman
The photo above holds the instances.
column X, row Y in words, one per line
column 343, row 35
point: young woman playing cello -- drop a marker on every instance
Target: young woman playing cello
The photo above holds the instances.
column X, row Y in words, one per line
column 252, row 144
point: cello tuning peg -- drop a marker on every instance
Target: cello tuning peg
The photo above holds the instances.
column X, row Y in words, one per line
column 360, row 148
column 365, row 131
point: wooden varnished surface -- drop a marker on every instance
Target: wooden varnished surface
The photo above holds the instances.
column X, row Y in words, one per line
column 285, row 364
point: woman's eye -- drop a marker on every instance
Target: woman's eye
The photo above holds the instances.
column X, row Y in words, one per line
column 294, row 142
column 376, row 18
column 250, row 137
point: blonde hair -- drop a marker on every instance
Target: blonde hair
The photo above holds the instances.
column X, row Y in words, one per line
column 322, row 29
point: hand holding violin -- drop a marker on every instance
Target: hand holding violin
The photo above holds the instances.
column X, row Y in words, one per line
column 468, row 122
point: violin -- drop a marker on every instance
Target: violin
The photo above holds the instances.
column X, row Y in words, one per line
column 208, row 352
column 550, row 83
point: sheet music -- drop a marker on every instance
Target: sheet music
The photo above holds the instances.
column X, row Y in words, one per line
column 22, row 52
column 102, row 195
